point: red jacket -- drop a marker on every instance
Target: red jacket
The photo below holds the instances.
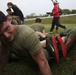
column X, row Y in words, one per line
column 55, row 11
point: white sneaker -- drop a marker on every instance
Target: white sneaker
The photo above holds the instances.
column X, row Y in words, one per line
column 65, row 27
column 50, row 32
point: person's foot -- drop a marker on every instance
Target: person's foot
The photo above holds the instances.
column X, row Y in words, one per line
column 65, row 27
column 50, row 32
column 56, row 31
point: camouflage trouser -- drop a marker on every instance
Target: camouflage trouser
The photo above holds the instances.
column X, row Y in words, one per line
column 17, row 19
column 14, row 22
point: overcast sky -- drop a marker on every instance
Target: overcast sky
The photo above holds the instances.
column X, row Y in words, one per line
column 37, row 6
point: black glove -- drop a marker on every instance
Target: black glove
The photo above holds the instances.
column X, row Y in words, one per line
column 63, row 34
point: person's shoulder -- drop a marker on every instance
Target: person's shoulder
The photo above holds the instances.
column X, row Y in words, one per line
column 22, row 26
column 33, row 24
column 41, row 25
column 24, row 29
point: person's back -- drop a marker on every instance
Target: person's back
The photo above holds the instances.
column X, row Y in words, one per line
column 55, row 10
column 39, row 29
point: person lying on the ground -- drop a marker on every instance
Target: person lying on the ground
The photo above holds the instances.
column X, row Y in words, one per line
column 39, row 29
column 24, row 43
column 60, row 42
column 68, row 37
column 70, row 40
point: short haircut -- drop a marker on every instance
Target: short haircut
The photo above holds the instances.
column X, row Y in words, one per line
column 8, row 9
column 10, row 3
column 38, row 20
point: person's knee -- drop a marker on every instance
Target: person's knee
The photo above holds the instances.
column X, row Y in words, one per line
column 68, row 43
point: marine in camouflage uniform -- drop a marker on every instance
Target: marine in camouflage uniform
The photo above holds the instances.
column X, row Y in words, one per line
column 26, row 41
column 39, row 29
column 17, row 19
column 70, row 38
column 23, row 42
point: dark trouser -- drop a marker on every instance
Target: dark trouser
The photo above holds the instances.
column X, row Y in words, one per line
column 42, row 38
column 22, row 22
column 57, row 23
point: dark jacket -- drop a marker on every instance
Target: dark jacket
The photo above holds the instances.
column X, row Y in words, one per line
column 18, row 12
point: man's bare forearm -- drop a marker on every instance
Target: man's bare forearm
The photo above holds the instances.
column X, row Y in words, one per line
column 43, row 64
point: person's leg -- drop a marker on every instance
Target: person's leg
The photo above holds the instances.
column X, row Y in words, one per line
column 22, row 22
column 53, row 25
column 43, row 43
column 68, row 44
column 71, row 39
column 58, row 24
column 56, row 28
column 63, row 39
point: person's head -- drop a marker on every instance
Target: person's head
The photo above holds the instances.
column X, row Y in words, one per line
column 7, row 31
column 38, row 20
column 9, row 11
column 55, row 3
column 9, row 18
column 9, row 4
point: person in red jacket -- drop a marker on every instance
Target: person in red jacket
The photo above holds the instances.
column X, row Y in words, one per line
column 56, row 17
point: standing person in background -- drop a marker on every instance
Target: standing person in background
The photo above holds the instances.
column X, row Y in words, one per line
column 56, row 17
column 16, row 10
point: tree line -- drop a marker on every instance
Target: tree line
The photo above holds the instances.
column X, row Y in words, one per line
column 64, row 12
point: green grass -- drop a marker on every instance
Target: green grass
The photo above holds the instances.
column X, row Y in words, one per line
column 63, row 20
column 65, row 66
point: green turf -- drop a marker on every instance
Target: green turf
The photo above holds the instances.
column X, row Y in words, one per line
column 65, row 66
column 63, row 20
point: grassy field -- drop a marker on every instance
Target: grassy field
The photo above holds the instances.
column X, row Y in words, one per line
column 64, row 20
column 66, row 66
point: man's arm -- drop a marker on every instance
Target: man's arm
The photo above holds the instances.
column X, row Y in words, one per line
column 42, row 63
column 3, row 57
column 44, row 31
column 41, row 34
